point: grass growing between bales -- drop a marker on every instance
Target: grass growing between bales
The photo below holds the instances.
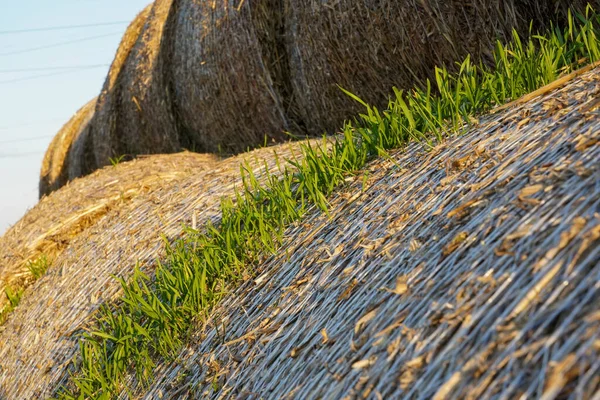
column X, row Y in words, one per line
column 155, row 315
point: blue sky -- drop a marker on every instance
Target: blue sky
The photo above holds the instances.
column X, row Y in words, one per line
column 34, row 107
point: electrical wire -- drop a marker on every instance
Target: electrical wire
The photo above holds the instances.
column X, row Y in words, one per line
column 61, row 28
column 51, row 68
column 29, row 139
column 21, row 155
column 21, row 125
column 28, row 78
column 49, row 46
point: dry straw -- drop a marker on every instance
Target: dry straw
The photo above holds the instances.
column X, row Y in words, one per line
column 145, row 123
column 99, row 145
column 55, row 166
column 224, row 94
column 48, row 228
column 461, row 272
column 368, row 47
column 81, row 158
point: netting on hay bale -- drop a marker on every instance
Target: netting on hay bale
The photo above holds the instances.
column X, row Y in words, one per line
column 224, row 94
column 56, row 163
column 438, row 272
column 469, row 271
column 131, row 208
column 48, row 228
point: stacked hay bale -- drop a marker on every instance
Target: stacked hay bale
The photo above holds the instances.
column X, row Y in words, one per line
column 102, row 142
column 367, row 47
column 59, row 157
column 226, row 76
column 224, row 93
column 48, row 228
column 145, row 123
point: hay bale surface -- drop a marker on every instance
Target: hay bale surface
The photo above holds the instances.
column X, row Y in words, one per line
column 81, row 159
column 467, row 272
column 102, row 140
column 225, row 96
column 225, row 76
column 49, row 227
column 56, row 163
column 144, row 120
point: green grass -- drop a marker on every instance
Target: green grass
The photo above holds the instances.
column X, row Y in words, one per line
column 155, row 315
column 14, row 298
column 114, row 161
column 37, row 268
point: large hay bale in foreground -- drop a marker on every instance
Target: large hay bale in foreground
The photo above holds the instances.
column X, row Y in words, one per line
column 102, row 138
column 454, row 270
column 225, row 96
column 57, row 160
column 470, row 271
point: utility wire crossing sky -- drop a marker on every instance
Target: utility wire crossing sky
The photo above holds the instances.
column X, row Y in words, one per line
column 54, row 56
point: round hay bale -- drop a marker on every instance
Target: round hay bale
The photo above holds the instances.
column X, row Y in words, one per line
column 224, row 76
column 101, row 138
column 55, row 166
column 81, row 276
column 81, row 160
column 144, row 121
column 49, row 227
column 227, row 82
column 367, row 47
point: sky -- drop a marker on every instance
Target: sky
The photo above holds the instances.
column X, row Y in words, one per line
column 46, row 74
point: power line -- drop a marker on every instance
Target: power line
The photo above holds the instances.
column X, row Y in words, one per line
column 20, row 155
column 28, row 78
column 61, row 28
column 21, row 125
column 50, row 68
column 29, row 139
column 10, row 53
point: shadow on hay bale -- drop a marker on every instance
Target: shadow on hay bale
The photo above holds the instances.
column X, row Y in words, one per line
column 60, row 156
column 103, row 141
column 225, row 96
column 80, row 160
column 49, row 228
